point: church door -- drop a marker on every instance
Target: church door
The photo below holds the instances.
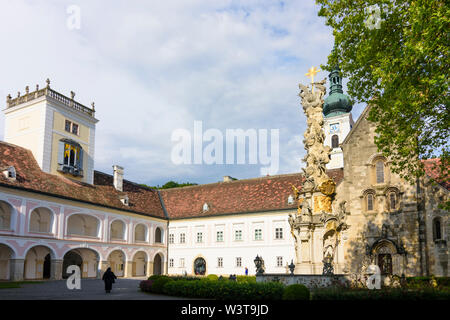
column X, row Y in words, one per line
column 385, row 263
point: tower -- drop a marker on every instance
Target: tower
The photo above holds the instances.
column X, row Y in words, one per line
column 59, row 131
column 338, row 119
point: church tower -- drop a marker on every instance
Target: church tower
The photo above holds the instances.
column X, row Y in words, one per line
column 338, row 119
column 59, row 131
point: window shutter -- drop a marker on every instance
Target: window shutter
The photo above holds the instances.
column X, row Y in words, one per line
column 80, row 159
column 60, row 152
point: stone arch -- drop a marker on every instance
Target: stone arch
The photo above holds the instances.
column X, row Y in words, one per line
column 392, row 195
column 37, row 264
column 117, row 229
column 82, row 224
column 378, row 169
column 369, row 201
column 86, row 258
column 7, row 214
column 6, row 254
column 140, row 233
column 384, row 251
column 117, row 259
column 140, row 259
column 41, row 220
column 158, row 263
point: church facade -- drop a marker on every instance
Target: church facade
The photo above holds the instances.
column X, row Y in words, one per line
column 56, row 210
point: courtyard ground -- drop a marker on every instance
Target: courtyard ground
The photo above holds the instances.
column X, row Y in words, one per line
column 91, row 289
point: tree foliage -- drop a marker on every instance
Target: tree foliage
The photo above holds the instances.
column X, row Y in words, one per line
column 171, row 184
column 401, row 68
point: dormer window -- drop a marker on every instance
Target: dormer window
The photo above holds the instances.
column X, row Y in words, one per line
column 290, row 199
column 71, row 127
column 205, row 207
column 70, row 157
column 10, row 173
column 125, row 200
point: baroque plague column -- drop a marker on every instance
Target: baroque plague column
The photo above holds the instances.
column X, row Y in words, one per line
column 315, row 228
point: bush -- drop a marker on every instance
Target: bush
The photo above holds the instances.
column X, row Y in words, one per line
column 157, row 286
column 146, row 285
column 296, row 292
column 383, row 294
column 212, row 277
column 224, row 290
column 154, row 277
column 248, row 279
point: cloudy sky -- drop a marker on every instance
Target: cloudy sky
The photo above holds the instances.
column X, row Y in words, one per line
column 156, row 66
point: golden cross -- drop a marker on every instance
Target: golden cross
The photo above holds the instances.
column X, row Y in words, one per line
column 311, row 73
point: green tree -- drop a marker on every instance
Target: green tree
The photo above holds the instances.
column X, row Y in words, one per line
column 400, row 66
column 171, row 184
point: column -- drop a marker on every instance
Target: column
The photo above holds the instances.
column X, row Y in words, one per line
column 16, row 269
column 56, row 269
column 128, row 269
column 150, row 268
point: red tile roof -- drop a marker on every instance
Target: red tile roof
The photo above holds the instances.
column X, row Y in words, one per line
column 30, row 177
column 434, row 171
column 239, row 196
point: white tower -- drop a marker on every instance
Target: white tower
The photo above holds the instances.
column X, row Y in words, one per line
column 59, row 131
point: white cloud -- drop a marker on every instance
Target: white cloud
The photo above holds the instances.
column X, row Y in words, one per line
column 155, row 66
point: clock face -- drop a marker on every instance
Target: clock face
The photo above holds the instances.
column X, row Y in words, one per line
column 334, row 127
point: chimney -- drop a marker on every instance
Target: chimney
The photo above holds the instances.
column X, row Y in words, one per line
column 228, row 179
column 118, row 177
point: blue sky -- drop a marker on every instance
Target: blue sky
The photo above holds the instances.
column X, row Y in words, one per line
column 156, row 66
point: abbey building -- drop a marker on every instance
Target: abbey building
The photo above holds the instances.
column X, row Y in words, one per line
column 56, row 210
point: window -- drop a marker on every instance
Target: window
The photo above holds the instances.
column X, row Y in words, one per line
column 182, row 238
column 258, row 234
column 70, row 157
column 199, row 237
column 71, row 127
column 238, row 235
column 220, row 262
column 171, row 238
column 334, row 127
column 158, row 235
column 335, row 141
column 369, row 202
column 392, row 201
column 181, row 262
column 238, row 262
column 279, row 261
column 171, row 263
column 219, row 236
column 379, row 166
column 278, row 233
column 437, row 234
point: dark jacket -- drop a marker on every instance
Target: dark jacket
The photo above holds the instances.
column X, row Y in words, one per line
column 108, row 277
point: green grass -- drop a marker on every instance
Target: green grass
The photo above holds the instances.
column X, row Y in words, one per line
column 16, row 284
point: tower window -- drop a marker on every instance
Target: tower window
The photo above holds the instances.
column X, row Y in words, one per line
column 437, row 234
column 70, row 157
column 369, row 202
column 392, row 201
column 335, row 141
column 71, row 127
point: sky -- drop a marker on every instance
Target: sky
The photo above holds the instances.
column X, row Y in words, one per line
column 153, row 67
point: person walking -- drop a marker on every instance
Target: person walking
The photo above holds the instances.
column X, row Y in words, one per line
column 246, row 271
column 108, row 277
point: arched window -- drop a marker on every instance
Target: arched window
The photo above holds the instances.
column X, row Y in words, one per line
column 140, row 233
column 379, row 167
column 82, row 225
column 392, row 201
column 117, row 230
column 41, row 220
column 437, row 232
column 158, row 236
column 70, row 157
column 335, row 141
column 370, row 202
column 5, row 216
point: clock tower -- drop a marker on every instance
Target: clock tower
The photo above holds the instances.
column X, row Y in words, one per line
column 338, row 119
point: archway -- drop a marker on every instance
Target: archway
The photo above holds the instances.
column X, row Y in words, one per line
column 35, row 262
column 140, row 264
column 117, row 230
column 6, row 253
column 5, row 216
column 157, row 264
column 41, row 220
column 200, row 266
column 85, row 259
column 82, row 225
column 158, row 235
column 116, row 261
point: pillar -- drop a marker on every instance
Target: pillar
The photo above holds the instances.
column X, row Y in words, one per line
column 149, row 268
column 128, row 269
column 16, row 269
column 56, row 269
column 103, row 266
column 39, row 269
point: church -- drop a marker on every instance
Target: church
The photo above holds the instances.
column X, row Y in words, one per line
column 56, row 210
